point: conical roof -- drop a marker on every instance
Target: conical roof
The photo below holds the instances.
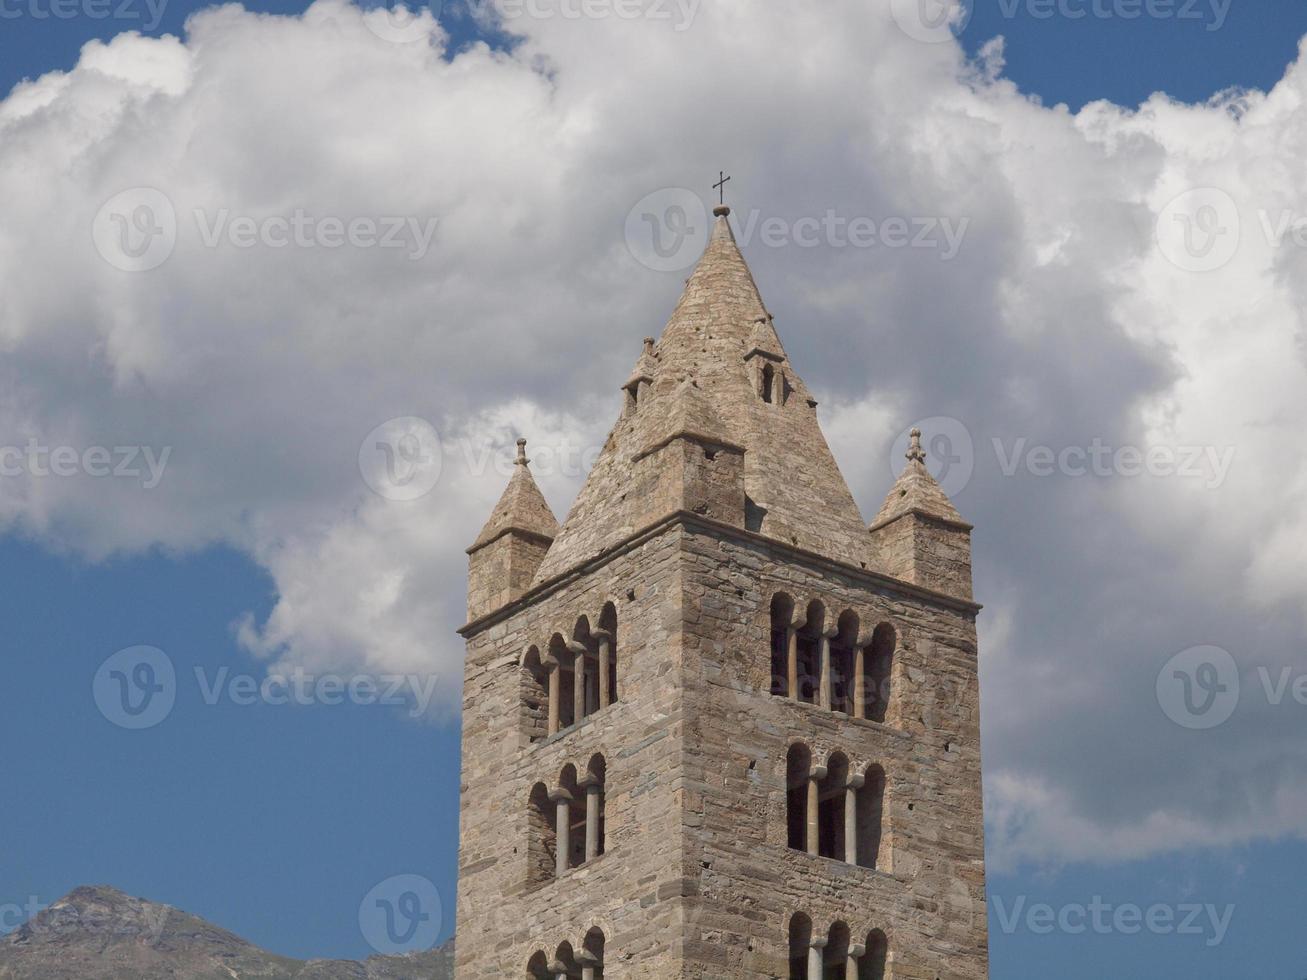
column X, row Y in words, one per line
column 916, row 490
column 522, row 507
column 791, row 479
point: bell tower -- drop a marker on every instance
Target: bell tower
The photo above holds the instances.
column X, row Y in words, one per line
column 714, row 725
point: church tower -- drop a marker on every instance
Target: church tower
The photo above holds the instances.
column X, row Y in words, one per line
column 715, row 726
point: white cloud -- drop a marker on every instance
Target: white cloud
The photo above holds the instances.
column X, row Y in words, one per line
column 1060, row 320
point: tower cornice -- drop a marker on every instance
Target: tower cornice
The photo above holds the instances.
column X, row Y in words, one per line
column 689, row 519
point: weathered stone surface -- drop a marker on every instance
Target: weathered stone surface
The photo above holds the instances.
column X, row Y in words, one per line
column 715, row 495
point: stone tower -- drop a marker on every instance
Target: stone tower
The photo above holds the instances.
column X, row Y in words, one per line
column 714, row 725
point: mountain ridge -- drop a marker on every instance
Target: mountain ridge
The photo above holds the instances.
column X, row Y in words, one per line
column 97, row 932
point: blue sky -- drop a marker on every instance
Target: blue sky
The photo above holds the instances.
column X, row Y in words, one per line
column 275, row 821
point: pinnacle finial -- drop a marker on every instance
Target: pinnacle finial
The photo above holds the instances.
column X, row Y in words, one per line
column 915, row 453
column 521, row 453
column 649, row 344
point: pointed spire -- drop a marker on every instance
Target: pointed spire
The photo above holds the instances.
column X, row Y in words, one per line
column 522, row 507
column 916, row 490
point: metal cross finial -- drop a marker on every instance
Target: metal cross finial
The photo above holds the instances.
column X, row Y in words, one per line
column 720, row 186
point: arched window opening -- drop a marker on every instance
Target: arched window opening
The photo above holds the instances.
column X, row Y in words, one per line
column 537, row 967
column 872, row 849
column 606, row 639
column 593, row 785
column 835, row 957
column 831, row 792
column 592, row 955
column 800, row 944
column 585, row 669
column 879, row 668
column 842, row 648
column 782, row 624
column 767, row 383
column 541, row 842
column 808, row 653
column 798, row 762
column 871, row 964
column 535, row 695
column 565, row 964
column 561, row 686
column 571, row 808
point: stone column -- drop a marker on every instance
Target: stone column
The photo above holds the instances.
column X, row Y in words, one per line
column 605, row 667
column 824, row 693
column 590, row 784
column 555, row 686
column 860, row 682
column 816, row 959
column 589, row 964
column 815, row 776
column 855, row 954
column 579, row 652
column 561, row 799
column 851, row 817
column 792, row 661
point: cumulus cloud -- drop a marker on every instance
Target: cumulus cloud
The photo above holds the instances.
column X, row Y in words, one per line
column 1090, row 302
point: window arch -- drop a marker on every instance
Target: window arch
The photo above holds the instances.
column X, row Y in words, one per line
column 872, row 962
column 808, row 652
column 561, row 685
column 592, row 955
column 535, row 695
column 767, row 384
column 571, row 808
column 870, row 820
column 782, row 634
column 831, row 801
column 835, row 957
column 800, row 943
column 798, row 763
column 541, row 840
column 607, row 654
column 537, row 967
column 593, row 786
column 842, row 647
column 878, row 668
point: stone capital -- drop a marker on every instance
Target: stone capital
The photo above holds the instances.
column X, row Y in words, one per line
column 819, row 943
column 855, row 781
column 578, row 648
column 602, row 636
column 856, row 950
column 560, row 795
column 587, row 958
column 830, row 632
column 817, row 772
column 589, row 781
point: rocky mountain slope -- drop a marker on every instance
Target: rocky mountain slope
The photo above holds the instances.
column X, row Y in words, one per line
column 98, row 933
